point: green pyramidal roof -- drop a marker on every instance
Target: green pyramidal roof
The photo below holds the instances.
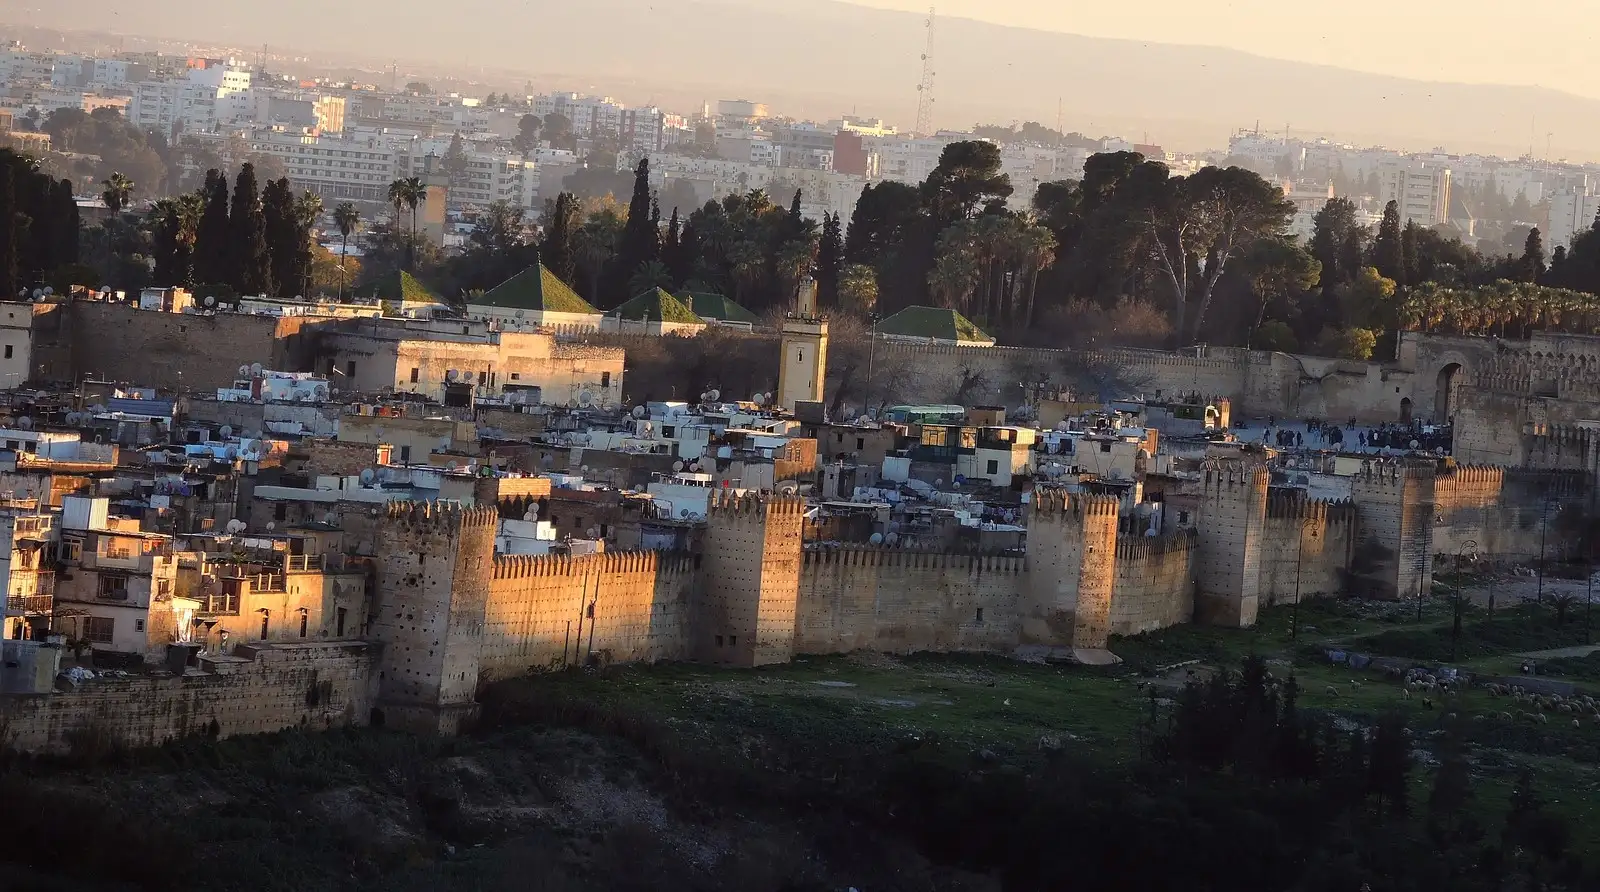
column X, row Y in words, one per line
column 933, row 322
column 535, row 288
column 401, row 285
column 656, row 305
column 715, row 306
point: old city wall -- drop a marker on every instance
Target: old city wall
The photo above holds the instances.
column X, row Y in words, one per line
column 550, row 611
column 744, row 613
column 259, row 690
column 120, row 343
column 1154, row 587
column 897, row 601
column 1308, row 538
column 1393, row 555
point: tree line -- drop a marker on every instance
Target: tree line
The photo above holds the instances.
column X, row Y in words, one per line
column 38, row 224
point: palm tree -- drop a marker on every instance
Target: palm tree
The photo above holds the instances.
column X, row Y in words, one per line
column 651, row 274
column 118, row 192
column 858, row 288
column 403, row 193
column 951, row 278
column 345, row 216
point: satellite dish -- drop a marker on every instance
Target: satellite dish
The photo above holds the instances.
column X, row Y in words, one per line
column 244, row 371
column 49, row 290
column 25, row 423
column 530, row 515
column 584, row 469
column 330, row 518
column 367, row 476
column 38, row 293
column 271, row 526
column 450, row 375
column 585, row 398
column 227, row 431
column 638, row 411
column 683, row 512
column 210, row 300
column 677, row 466
column 449, row 466
column 892, row 538
column 230, row 453
column 255, row 368
column 105, row 290
column 876, row 538
column 594, row 532
column 299, row 297
column 320, row 392
column 716, row 394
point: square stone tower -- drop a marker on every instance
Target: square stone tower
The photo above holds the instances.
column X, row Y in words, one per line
column 803, row 364
column 1072, row 555
column 750, row 581
column 434, row 563
column 1393, row 555
column 1233, row 519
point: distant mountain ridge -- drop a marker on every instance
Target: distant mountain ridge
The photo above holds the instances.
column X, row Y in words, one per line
column 822, row 58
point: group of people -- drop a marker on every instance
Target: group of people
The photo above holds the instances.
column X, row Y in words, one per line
column 1331, row 435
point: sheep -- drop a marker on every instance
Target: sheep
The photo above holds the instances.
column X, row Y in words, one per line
column 1563, row 707
column 1405, row 694
column 1505, row 717
column 1332, row 691
column 1575, row 723
column 1355, row 685
column 1542, row 719
column 1427, row 703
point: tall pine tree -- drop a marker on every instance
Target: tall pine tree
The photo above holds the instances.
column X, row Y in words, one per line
column 673, row 253
column 282, row 232
column 555, row 250
column 251, row 260
column 830, row 261
column 166, row 246
column 641, row 239
column 1388, row 255
column 1532, row 265
column 67, row 224
column 213, row 238
column 8, row 234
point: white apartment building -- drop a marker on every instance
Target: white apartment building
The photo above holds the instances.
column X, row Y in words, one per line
column 297, row 109
column 1309, row 198
column 1571, row 212
column 47, row 101
column 335, row 168
column 1421, row 191
column 17, row 65
column 909, row 159
column 209, row 94
column 589, row 115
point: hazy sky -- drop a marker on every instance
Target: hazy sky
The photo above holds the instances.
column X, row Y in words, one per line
column 1543, row 42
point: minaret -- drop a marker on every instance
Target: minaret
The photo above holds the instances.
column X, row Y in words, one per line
column 804, row 363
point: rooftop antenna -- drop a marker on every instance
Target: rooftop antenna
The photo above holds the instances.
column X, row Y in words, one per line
column 925, row 88
column 1058, row 115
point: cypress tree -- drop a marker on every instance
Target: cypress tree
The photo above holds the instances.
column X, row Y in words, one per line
column 67, row 224
column 213, row 238
column 282, row 233
column 555, row 251
column 1533, row 257
column 250, row 259
column 165, row 247
column 830, row 261
column 641, row 239
column 1388, row 255
column 672, row 252
column 8, row 234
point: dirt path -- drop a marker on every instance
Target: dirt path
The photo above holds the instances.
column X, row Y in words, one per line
column 1581, row 650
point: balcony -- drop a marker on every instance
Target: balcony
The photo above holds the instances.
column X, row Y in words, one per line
column 226, row 603
column 111, row 594
column 30, row 603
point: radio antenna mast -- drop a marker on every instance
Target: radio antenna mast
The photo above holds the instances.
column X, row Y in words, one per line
column 925, row 88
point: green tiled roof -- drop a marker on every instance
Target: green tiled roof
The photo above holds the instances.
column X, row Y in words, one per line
column 535, row 288
column 656, row 305
column 402, row 285
column 715, row 306
column 933, row 322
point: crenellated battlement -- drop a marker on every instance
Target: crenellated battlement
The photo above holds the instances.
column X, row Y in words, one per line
column 1141, row 548
column 1471, row 475
column 1297, row 506
column 1220, row 477
column 725, row 504
column 523, row 566
column 442, row 514
column 1060, row 503
column 1392, row 473
column 878, row 556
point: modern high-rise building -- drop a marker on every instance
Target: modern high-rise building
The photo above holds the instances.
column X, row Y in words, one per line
column 1420, row 190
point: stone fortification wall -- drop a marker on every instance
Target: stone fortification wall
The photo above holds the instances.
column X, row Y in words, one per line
column 869, row 598
column 1154, row 587
column 261, row 689
column 120, row 343
column 550, row 611
column 1310, row 537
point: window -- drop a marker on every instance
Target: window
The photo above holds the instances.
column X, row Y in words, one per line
column 1183, row 517
column 605, row 377
column 733, row 640
column 980, row 615
column 668, row 430
column 1105, row 447
column 719, row 640
column 112, row 588
column 483, row 378
column 265, row 619
column 838, row 438
column 163, row 587
column 8, row 351
column 98, row 629
column 305, row 621
column 280, row 512
column 414, row 375
column 339, row 616
column 405, row 454
column 138, row 625
column 861, row 443
column 350, row 369
column 516, row 376
column 994, row 467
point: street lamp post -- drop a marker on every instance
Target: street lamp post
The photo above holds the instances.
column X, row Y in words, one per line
column 1455, row 625
column 1299, row 554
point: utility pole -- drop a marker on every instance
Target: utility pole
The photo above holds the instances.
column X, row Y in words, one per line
column 925, row 87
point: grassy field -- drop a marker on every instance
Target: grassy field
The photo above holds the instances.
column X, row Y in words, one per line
column 997, row 708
